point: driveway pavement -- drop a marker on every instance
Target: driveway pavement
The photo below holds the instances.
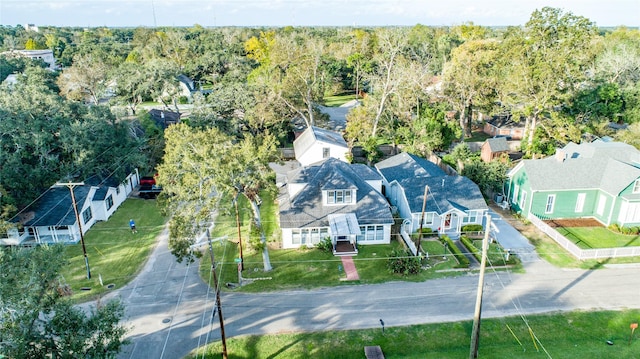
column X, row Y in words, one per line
column 510, row 239
column 168, row 306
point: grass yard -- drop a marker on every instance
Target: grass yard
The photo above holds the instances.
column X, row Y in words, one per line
column 598, row 237
column 567, row 335
column 114, row 253
column 339, row 99
column 304, row 267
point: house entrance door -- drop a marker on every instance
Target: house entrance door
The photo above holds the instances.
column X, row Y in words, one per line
column 447, row 221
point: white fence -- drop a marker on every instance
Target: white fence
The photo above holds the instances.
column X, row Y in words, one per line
column 578, row 252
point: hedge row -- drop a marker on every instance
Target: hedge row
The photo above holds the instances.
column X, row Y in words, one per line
column 463, row 261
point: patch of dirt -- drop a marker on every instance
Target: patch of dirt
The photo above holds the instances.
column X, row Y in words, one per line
column 576, row 222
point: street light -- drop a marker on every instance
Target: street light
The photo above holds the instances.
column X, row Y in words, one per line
column 217, row 289
column 75, row 210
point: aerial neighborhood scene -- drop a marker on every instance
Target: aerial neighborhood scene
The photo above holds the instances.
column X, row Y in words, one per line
column 305, row 179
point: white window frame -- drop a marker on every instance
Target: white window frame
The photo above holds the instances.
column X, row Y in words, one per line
column 523, row 199
column 602, row 203
column 551, row 201
column 339, row 197
column 636, row 186
column 471, row 217
column 87, row 215
column 326, row 152
column 580, row 202
column 516, row 190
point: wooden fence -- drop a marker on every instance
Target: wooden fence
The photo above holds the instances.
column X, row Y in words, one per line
column 579, row 253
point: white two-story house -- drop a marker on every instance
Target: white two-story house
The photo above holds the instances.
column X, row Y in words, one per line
column 334, row 199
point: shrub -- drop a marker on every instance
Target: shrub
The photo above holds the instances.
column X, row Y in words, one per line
column 472, row 228
column 463, row 261
column 468, row 243
column 325, row 245
column 403, row 262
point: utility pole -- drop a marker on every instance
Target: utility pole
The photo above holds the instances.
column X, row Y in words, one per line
column 217, row 289
column 424, row 208
column 75, row 210
column 475, row 333
column 235, row 202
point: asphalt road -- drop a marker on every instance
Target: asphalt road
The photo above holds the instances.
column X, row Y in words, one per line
column 169, row 307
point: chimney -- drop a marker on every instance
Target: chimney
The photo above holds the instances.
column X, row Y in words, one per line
column 443, row 182
column 561, row 155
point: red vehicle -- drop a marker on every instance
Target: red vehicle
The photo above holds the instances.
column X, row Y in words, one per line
column 147, row 181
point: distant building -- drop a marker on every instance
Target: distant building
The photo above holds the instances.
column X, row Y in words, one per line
column 31, row 27
column 44, row 55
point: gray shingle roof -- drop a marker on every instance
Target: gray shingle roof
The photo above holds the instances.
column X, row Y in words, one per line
column 313, row 134
column 305, row 209
column 445, row 192
column 405, row 165
column 498, row 144
column 610, row 166
column 54, row 208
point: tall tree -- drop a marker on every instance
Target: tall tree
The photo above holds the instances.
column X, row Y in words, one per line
column 38, row 321
column 86, row 80
column 469, row 79
column 199, row 167
column 545, row 62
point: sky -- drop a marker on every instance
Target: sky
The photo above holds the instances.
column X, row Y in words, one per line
column 132, row 13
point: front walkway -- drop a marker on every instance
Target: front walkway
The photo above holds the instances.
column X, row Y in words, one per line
column 349, row 268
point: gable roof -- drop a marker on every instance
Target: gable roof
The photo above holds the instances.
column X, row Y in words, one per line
column 506, row 121
column 164, row 118
column 54, row 208
column 305, row 209
column 497, row 144
column 406, row 165
column 312, row 135
column 445, row 192
column 610, row 166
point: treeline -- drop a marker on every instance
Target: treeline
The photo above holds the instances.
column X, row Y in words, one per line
column 421, row 86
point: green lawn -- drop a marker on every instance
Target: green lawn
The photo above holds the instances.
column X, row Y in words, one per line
column 598, row 237
column 568, row 335
column 115, row 254
column 339, row 99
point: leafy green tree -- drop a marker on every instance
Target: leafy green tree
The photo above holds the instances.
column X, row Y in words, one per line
column 469, row 79
column 489, row 176
column 86, row 80
column 37, row 320
column 199, row 168
column 544, row 63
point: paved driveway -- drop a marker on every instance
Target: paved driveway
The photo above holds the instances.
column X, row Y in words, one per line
column 510, row 239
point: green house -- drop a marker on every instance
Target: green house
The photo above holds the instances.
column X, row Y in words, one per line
column 598, row 180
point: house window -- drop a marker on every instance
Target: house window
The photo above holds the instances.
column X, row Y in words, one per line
column 87, row 215
column 523, row 198
column 308, row 236
column 580, row 202
column 636, row 186
column 371, row 233
column 109, row 201
column 471, row 217
column 326, row 152
column 339, row 197
column 428, row 219
column 629, row 212
column 550, row 202
column 602, row 202
column 118, row 190
column 516, row 189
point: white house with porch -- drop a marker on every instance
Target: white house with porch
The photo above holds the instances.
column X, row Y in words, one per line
column 451, row 201
column 334, row 199
column 51, row 219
